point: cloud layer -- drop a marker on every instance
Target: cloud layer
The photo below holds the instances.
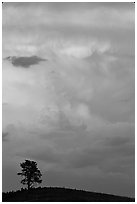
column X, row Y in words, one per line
column 75, row 111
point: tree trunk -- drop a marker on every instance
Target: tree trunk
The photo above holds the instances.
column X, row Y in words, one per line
column 28, row 185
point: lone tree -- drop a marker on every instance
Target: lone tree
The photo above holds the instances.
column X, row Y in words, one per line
column 30, row 173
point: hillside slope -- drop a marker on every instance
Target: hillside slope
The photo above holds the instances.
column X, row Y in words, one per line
column 54, row 194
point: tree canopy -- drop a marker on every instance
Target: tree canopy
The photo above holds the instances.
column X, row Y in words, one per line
column 30, row 173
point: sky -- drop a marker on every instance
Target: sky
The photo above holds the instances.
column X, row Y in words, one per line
column 69, row 94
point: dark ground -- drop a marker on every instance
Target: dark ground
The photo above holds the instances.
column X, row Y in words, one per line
column 55, row 194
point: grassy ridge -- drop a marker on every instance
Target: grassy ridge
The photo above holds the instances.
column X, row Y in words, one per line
column 54, row 194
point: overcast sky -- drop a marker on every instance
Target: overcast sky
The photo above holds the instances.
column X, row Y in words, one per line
column 72, row 109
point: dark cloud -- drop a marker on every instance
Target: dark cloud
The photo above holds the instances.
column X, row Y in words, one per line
column 4, row 136
column 100, row 156
column 9, row 173
column 47, row 155
column 118, row 141
column 24, row 61
column 71, row 5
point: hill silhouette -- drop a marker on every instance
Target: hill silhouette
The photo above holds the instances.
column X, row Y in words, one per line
column 56, row 194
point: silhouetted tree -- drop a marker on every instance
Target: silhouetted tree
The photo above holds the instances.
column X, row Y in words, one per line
column 30, row 173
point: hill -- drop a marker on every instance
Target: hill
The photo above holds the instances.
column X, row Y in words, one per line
column 55, row 194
